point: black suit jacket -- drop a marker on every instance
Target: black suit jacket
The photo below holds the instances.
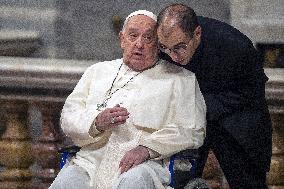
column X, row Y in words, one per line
column 232, row 80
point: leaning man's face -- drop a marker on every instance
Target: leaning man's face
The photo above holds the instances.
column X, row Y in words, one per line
column 178, row 45
column 139, row 43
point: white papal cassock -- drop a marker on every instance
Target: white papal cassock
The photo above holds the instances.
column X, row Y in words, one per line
column 167, row 115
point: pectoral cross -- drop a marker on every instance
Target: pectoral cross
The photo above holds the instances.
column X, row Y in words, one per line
column 109, row 93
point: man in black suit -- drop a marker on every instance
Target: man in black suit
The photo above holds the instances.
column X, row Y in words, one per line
column 232, row 80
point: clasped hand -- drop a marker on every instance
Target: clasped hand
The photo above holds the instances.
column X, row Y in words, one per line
column 111, row 118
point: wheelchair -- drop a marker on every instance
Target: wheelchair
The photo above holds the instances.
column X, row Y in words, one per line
column 179, row 179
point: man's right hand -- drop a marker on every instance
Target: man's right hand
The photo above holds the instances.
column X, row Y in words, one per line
column 111, row 118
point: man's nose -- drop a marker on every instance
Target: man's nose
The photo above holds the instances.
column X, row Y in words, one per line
column 140, row 42
column 172, row 54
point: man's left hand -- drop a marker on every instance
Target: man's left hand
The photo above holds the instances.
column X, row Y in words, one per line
column 134, row 157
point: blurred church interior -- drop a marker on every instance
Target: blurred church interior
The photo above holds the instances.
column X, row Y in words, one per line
column 45, row 46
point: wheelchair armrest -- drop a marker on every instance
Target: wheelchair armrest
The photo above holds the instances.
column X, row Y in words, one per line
column 67, row 152
column 180, row 178
column 189, row 154
column 72, row 149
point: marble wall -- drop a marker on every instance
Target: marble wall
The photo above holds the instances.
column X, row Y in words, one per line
column 84, row 29
column 91, row 34
column 260, row 20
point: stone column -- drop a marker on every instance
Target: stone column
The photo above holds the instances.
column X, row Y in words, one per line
column 45, row 150
column 275, row 99
column 276, row 173
column 15, row 147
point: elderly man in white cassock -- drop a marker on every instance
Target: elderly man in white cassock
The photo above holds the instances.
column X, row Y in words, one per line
column 130, row 115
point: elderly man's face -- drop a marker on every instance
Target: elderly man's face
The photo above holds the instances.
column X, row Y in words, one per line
column 139, row 43
column 177, row 44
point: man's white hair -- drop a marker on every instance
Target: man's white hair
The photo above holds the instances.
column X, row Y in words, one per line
column 140, row 12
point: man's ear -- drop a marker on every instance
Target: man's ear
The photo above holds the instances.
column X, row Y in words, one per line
column 121, row 38
column 197, row 32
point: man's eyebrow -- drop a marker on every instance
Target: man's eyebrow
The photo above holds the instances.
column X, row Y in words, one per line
column 132, row 29
column 180, row 43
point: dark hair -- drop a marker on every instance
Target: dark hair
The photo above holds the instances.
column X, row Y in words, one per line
column 184, row 16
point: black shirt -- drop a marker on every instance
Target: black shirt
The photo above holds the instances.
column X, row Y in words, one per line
column 232, row 81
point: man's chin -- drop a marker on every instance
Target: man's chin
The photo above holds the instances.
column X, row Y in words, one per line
column 134, row 64
column 181, row 62
column 138, row 60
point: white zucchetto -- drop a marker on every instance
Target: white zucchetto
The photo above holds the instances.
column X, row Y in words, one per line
column 142, row 12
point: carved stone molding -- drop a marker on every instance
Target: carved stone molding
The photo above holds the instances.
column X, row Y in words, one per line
column 18, row 43
column 15, row 146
